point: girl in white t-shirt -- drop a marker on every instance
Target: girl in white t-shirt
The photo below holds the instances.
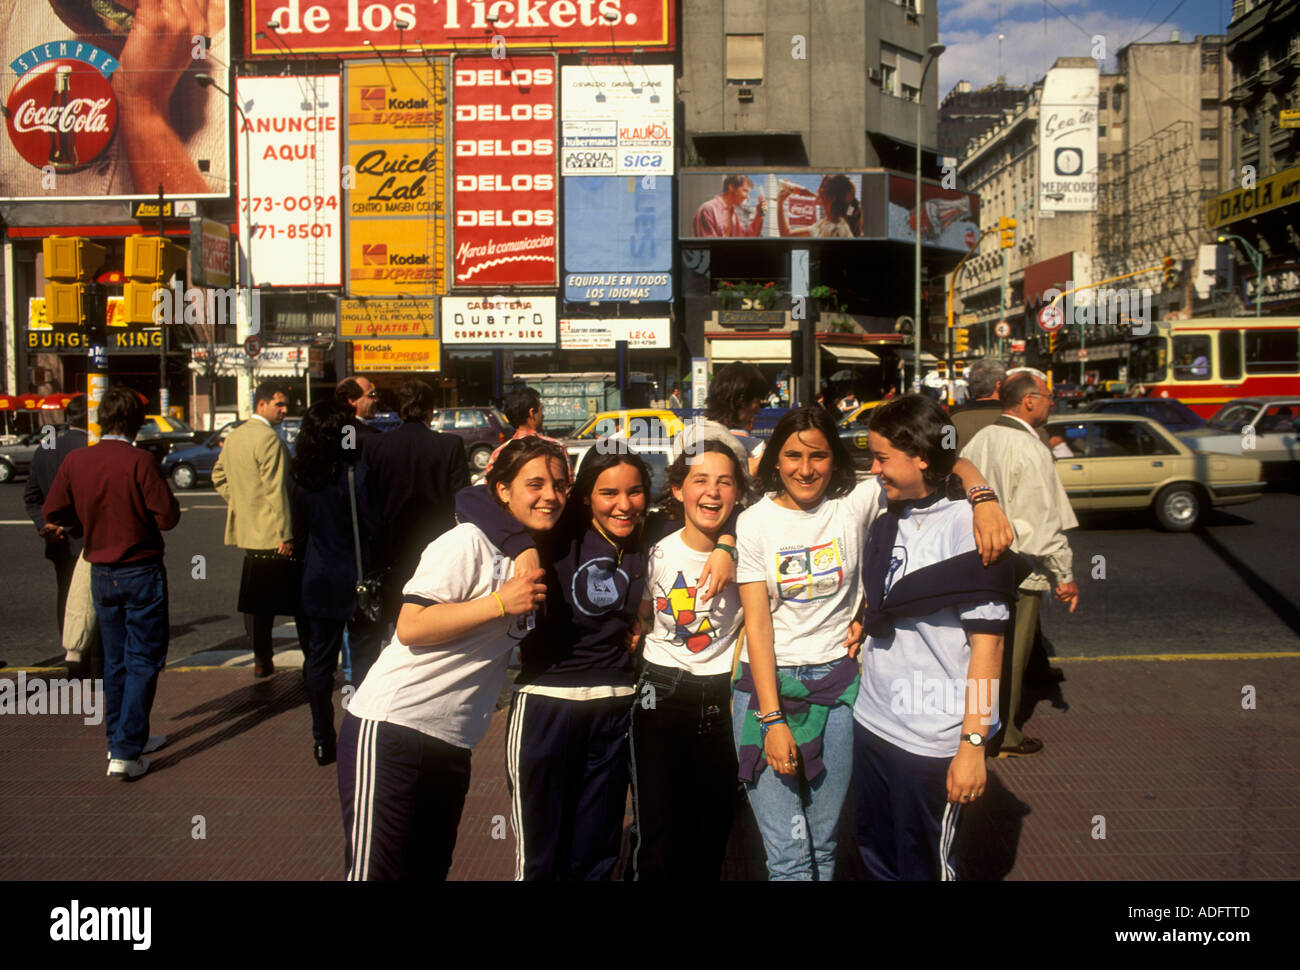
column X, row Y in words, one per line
column 404, row 747
column 682, row 758
column 800, row 586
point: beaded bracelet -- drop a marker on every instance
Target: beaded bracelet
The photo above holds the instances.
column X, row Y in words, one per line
column 977, row 489
column 987, row 497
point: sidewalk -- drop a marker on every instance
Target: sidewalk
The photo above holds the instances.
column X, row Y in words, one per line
column 1187, row 784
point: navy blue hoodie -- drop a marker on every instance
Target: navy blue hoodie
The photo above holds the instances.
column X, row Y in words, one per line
column 593, row 592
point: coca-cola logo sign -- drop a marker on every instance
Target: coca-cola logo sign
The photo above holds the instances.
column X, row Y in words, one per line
column 62, row 113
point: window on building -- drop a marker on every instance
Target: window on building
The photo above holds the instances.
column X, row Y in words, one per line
column 911, row 93
column 888, row 78
column 903, row 71
column 1101, row 131
column 1209, row 104
column 1116, row 100
column 1210, row 60
column 744, row 58
column 1209, row 164
column 1209, row 134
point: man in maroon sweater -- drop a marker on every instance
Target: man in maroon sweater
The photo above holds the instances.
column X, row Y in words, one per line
column 116, row 495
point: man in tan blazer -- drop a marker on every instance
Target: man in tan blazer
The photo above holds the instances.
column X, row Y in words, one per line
column 252, row 475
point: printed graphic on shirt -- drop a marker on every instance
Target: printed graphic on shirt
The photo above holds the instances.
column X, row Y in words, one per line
column 897, row 566
column 810, row 573
column 679, row 603
column 599, row 586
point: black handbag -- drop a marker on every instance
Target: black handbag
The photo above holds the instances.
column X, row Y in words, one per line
column 370, row 590
column 270, row 584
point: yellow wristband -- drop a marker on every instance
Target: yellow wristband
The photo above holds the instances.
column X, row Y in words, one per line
column 500, row 604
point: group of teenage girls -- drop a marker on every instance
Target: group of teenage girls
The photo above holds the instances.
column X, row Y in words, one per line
column 724, row 645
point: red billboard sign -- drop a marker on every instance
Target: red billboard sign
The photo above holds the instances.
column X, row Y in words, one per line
column 504, row 162
column 360, row 27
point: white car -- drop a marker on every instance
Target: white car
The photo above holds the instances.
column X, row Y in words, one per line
column 1264, row 428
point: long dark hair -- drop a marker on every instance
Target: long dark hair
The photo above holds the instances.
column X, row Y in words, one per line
column 594, row 465
column 844, row 201
column 681, row 467
column 810, row 418
column 733, row 387
column 320, row 456
column 916, row 426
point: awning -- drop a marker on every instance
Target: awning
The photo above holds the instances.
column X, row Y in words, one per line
column 926, row 356
column 851, row 355
column 20, row 402
column 754, row 351
column 56, row 402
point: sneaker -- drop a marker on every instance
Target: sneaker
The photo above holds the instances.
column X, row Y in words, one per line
column 155, row 742
column 124, row 770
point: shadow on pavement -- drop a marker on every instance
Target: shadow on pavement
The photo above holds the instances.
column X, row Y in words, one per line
column 989, row 835
column 1268, row 594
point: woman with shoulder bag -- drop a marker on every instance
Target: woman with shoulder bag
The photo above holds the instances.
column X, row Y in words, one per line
column 333, row 514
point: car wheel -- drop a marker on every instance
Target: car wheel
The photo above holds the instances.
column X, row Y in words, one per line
column 479, row 458
column 1178, row 507
column 183, row 476
column 7, row 471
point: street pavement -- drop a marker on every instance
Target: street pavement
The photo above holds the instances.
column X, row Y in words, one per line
column 1229, row 587
column 1152, row 770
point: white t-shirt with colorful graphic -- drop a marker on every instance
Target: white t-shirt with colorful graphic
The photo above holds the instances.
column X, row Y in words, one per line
column 696, row 637
column 811, row 562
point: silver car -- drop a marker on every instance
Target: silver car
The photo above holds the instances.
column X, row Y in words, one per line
column 15, row 459
column 1264, row 428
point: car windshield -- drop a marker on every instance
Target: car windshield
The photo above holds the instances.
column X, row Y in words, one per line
column 1148, row 359
column 1233, row 417
column 178, row 425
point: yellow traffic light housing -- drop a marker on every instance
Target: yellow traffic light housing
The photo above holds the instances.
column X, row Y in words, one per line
column 149, row 262
column 1169, row 272
column 1051, row 343
column 961, row 340
column 70, row 264
column 1007, row 226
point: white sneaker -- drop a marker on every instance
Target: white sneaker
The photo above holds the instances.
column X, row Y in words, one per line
column 155, row 742
column 124, row 770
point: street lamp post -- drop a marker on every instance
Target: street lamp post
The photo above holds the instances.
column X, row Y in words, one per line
column 1256, row 260
column 931, row 55
column 246, row 271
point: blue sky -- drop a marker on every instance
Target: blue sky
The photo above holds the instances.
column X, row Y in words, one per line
column 970, row 30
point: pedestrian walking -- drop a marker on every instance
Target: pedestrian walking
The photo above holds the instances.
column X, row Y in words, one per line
column 415, row 473
column 1020, row 468
column 334, row 519
column 405, row 741
column 934, row 626
column 116, row 496
column 78, row 628
column 252, row 476
column 682, row 757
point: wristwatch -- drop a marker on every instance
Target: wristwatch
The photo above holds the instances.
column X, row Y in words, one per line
column 975, row 738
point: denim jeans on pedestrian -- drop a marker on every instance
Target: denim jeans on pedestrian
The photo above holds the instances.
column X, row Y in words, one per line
column 787, row 828
column 131, row 605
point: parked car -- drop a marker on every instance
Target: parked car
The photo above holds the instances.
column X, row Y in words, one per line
column 1266, row 428
column 1067, row 395
column 16, row 459
column 482, row 430
column 1124, row 462
column 1172, row 414
column 161, row 433
column 853, row 431
column 189, row 467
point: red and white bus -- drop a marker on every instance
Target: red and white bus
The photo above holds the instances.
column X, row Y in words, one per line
column 1208, row 362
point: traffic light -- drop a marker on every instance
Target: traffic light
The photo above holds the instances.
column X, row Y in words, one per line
column 959, row 368
column 71, row 263
column 1008, row 227
column 1051, row 343
column 1169, row 272
column 150, row 262
column 961, row 340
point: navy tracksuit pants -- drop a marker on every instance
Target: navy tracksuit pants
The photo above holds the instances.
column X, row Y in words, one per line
column 906, row 825
column 566, row 768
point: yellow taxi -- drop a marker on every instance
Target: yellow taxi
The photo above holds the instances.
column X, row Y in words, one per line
column 853, row 431
column 656, row 423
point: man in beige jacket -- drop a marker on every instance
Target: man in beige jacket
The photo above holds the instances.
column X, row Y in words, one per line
column 252, row 475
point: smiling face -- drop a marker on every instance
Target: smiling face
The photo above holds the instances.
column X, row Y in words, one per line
column 805, row 466
column 536, row 495
column 901, row 474
column 618, row 500
column 708, row 493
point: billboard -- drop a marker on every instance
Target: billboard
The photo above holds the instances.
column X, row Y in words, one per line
column 387, row 318
column 396, row 355
column 505, row 196
column 289, row 134
column 617, row 120
column 498, row 320
column 640, row 333
column 949, row 219
column 97, row 107
column 350, row 27
column 395, row 178
column 618, row 238
column 1067, row 140
column 774, row 205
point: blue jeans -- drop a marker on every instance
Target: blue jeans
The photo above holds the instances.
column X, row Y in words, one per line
column 793, row 837
column 131, row 605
